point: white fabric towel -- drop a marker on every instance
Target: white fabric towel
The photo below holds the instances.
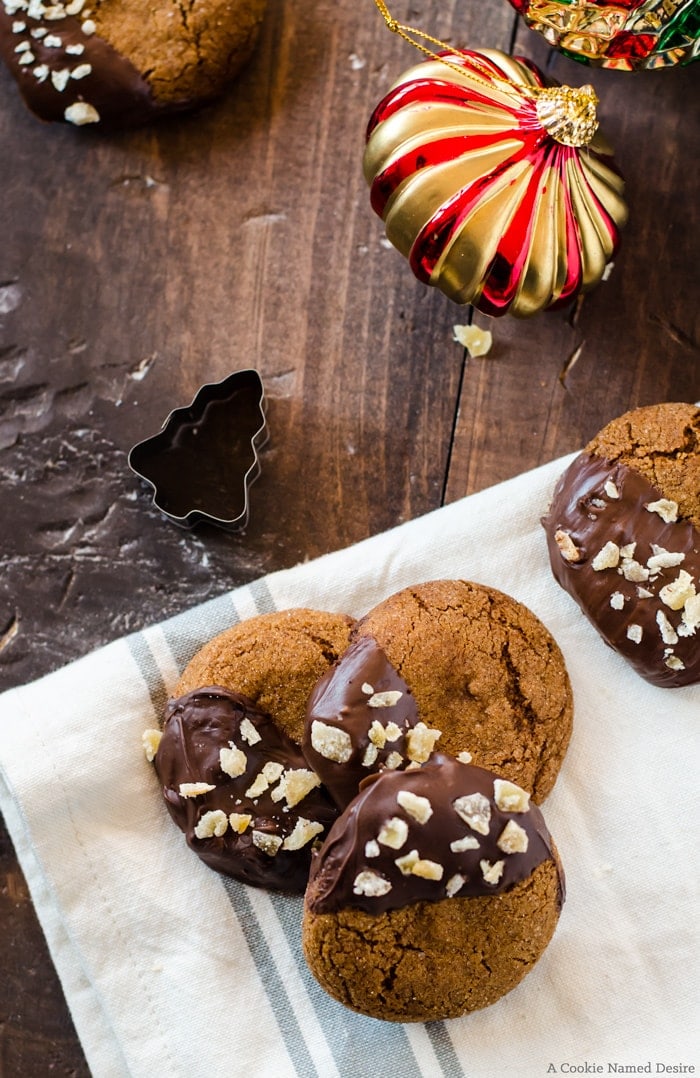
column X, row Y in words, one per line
column 170, row 970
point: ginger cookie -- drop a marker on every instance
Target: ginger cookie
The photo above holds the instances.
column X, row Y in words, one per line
column 118, row 62
column 436, row 891
column 446, row 664
column 239, row 789
column 274, row 660
column 623, row 533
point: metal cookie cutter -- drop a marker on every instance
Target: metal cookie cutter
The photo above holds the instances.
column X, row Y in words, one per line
column 205, row 457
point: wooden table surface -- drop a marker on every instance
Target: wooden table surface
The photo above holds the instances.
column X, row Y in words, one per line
column 134, row 268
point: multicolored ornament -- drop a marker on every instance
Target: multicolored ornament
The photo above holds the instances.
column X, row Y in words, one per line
column 624, row 34
column 496, row 187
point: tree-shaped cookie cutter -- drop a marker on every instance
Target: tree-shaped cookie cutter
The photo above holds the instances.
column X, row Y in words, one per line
column 204, row 459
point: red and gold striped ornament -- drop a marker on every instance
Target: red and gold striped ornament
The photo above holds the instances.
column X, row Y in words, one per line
column 496, row 187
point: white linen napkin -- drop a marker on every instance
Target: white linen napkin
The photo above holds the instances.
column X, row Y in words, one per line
column 171, row 970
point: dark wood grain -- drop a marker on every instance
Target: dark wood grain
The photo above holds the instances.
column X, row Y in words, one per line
column 136, row 267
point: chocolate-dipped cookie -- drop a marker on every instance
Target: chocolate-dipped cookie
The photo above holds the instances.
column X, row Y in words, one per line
column 121, row 63
column 623, row 533
column 273, row 659
column 451, row 664
column 239, row 789
column 436, row 891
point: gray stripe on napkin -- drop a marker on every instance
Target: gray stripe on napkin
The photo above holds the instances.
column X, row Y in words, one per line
column 262, row 596
column 185, row 635
column 270, row 978
column 143, row 657
column 444, row 1049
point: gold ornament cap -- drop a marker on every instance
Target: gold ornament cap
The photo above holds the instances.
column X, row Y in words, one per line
column 568, row 113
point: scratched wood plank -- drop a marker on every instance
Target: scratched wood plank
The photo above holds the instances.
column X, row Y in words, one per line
column 141, row 266
column 136, row 267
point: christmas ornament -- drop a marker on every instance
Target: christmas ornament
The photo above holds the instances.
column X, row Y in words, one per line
column 496, row 187
column 627, row 34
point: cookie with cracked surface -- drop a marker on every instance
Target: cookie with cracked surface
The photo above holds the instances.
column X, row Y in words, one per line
column 273, row 659
column 117, row 64
column 433, row 895
column 623, row 534
column 447, row 664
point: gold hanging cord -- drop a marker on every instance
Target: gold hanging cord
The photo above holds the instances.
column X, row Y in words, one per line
column 409, row 33
column 568, row 113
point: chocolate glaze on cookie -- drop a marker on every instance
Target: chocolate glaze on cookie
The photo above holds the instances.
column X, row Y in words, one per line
column 362, row 717
column 66, row 72
column 116, row 63
column 617, row 547
column 488, row 679
column 240, row 789
column 438, row 831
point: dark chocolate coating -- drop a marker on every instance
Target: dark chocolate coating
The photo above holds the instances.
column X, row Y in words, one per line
column 340, row 701
column 583, row 510
column 113, row 86
column 442, row 780
column 197, row 727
